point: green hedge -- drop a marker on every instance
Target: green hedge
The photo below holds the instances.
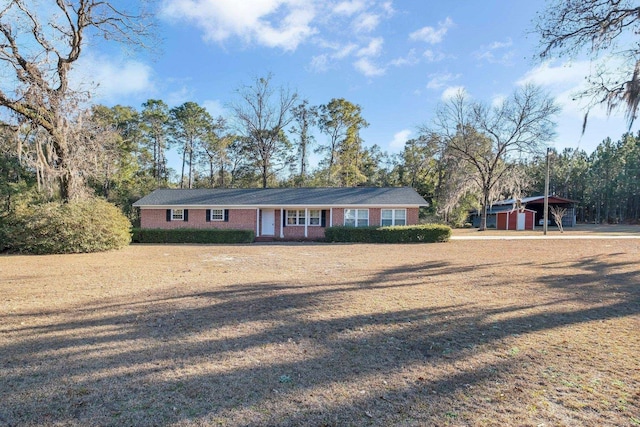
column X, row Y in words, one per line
column 192, row 235
column 86, row 225
column 428, row 233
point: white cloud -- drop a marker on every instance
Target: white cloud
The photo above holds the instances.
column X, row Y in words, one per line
column 273, row 23
column 366, row 22
column 438, row 81
column 348, row 8
column 564, row 82
column 114, row 78
column 179, row 96
column 496, row 53
column 372, row 49
column 368, row 68
column 547, row 74
column 323, row 62
column 433, row 56
column 432, row 35
column 365, row 65
column 410, row 59
column 344, row 51
column 215, row 108
column 451, row 92
column 399, row 139
column 319, row 63
column 498, row 100
column 387, row 7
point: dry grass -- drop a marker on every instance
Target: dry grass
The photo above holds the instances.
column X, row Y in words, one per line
column 532, row 333
column 553, row 231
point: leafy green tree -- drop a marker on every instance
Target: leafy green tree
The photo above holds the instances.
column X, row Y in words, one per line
column 376, row 167
column 213, row 152
column 342, row 121
column 123, row 167
column 418, row 165
column 612, row 188
column 16, row 179
column 154, row 124
column 190, row 125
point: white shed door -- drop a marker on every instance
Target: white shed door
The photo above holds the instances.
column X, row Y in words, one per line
column 521, row 221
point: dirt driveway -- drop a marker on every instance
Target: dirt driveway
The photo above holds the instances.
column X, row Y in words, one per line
column 508, row 332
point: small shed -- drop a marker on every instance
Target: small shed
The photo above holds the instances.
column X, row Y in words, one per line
column 516, row 219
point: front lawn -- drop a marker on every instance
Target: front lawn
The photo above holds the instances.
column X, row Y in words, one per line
column 500, row 332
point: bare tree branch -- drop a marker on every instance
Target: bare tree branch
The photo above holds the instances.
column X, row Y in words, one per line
column 492, row 140
column 38, row 47
column 568, row 28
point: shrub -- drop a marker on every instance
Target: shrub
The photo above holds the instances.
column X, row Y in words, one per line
column 192, row 235
column 427, row 233
column 87, row 225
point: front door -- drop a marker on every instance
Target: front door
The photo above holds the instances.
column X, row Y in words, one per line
column 268, row 222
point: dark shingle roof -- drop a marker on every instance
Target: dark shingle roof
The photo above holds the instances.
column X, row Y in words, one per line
column 401, row 196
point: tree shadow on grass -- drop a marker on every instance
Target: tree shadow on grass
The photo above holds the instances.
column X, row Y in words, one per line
column 262, row 353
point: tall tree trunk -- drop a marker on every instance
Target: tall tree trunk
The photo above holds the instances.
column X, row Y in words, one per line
column 485, row 208
column 184, row 159
column 221, row 183
column 156, row 162
column 66, row 179
column 66, row 185
column 191, row 166
column 211, row 173
column 265, row 169
column 303, row 168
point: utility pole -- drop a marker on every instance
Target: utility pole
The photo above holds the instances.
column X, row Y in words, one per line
column 546, row 198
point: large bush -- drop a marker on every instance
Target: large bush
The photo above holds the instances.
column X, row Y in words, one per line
column 192, row 235
column 427, row 233
column 87, row 225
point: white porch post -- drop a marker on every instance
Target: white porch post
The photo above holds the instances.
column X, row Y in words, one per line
column 257, row 222
column 282, row 220
column 330, row 217
column 306, row 221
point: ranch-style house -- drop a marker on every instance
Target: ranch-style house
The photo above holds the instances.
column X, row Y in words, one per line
column 284, row 213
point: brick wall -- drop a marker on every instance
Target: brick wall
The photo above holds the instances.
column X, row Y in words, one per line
column 297, row 232
column 413, row 216
column 245, row 219
column 239, row 219
column 375, row 216
column 338, row 216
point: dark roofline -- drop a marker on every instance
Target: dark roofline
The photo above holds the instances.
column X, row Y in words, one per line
column 277, row 197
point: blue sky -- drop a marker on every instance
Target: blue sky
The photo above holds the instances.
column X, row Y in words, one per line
column 396, row 59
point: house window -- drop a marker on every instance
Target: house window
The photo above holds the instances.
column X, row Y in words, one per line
column 295, row 217
column 217, row 214
column 393, row 217
column 356, row 217
column 314, row 217
column 177, row 214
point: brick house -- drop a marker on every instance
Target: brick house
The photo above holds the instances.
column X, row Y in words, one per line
column 285, row 213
